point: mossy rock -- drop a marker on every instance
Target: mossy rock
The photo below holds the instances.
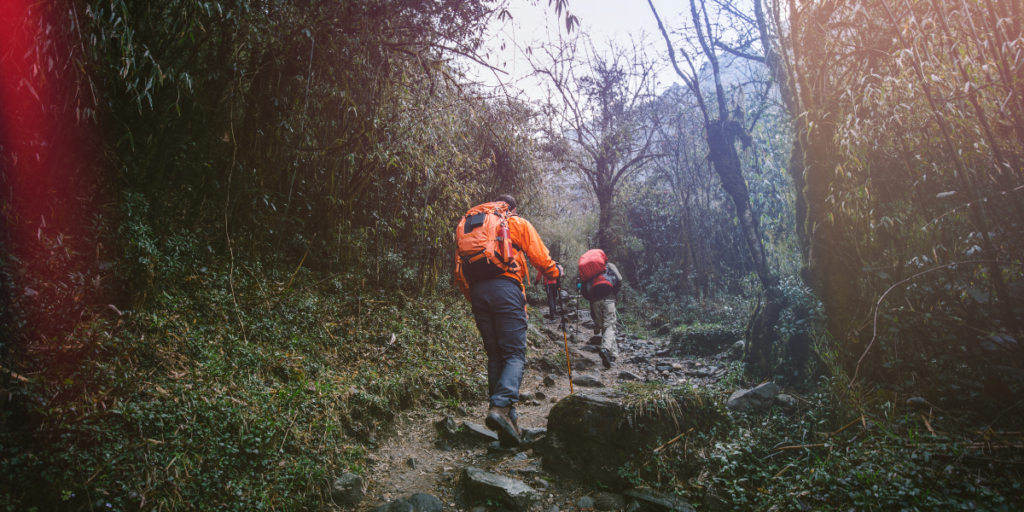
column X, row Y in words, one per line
column 593, row 434
column 702, row 340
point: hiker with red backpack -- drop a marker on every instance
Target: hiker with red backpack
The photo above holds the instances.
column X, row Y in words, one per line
column 599, row 282
column 490, row 269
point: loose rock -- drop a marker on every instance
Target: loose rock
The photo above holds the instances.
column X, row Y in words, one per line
column 531, row 433
column 550, row 380
column 588, row 381
column 419, row 502
column 630, row 376
column 609, row 501
column 580, row 360
column 347, row 490
column 656, row 501
column 446, row 427
column 787, row 402
column 664, row 329
column 482, row 485
column 422, row 502
column 539, row 395
column 736, row 350
column 753, row 399
column 394, row 506
column 586, row 502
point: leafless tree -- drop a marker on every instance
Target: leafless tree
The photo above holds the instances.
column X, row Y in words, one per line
column 724, row 125
column 599, row 123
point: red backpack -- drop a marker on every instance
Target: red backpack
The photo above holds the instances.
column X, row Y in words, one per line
column 598, row 283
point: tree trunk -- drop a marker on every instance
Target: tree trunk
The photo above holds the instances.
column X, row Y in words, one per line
column 760, row 332
column 604, row 222
column 831, row 272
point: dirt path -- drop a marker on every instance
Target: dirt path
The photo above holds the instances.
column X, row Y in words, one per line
column 408, row 461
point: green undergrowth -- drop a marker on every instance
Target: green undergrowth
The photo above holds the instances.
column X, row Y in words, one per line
column 704, row 339
column 193, row 403
column 700, row 407
column 835, row 452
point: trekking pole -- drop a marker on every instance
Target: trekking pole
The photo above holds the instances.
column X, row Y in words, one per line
column 565, row 338
column 568, row 363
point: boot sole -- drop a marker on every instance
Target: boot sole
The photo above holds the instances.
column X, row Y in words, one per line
column 606, row 360
column 506, row 432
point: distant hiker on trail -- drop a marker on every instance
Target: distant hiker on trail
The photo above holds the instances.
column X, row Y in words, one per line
column 551, row 286
column 490, row 269
column 600, row 281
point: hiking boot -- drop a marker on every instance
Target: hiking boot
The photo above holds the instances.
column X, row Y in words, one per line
column 498, row 421
column 606, row 358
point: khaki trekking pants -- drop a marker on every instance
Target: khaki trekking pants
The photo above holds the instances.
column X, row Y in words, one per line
column 604, row 323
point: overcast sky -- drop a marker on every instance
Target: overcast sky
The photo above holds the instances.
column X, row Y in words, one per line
column 603, row 20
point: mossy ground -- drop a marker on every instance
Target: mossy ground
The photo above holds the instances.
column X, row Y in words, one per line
column 193, row 401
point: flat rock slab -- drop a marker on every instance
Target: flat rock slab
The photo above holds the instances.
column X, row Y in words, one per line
column 481, row 485
column 755, row 399
column 655, row 501
column 630, row 376
column 475, row 432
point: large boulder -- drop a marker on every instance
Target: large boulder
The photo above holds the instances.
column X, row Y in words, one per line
column 593, row 433
column 755, row 399
column 480, row 485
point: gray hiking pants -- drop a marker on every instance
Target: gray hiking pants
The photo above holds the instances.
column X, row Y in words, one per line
column 499, row 308
column 604, row 323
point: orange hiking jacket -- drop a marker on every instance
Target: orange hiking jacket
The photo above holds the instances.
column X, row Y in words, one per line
column 527, row 242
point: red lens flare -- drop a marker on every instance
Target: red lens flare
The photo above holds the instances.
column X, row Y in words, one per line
column 47, row 188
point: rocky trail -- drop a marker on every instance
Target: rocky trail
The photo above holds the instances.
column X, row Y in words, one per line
column 432, row 459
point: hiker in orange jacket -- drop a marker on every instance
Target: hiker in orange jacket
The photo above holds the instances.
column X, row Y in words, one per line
column 498, row 296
